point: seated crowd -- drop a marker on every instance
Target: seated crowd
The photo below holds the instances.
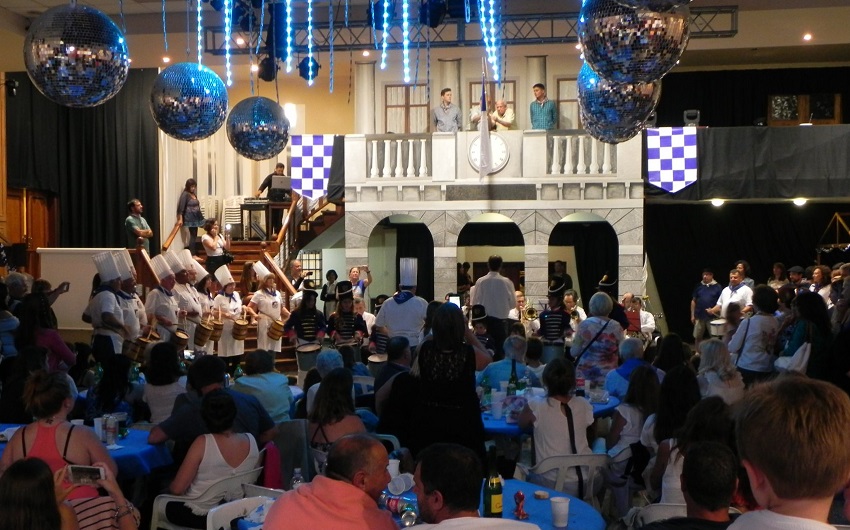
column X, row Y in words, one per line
column 699, row 430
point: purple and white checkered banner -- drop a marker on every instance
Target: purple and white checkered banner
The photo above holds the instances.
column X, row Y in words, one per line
column 311, row 163
column 671, row 157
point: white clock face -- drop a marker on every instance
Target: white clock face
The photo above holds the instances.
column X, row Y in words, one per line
column 498, row 150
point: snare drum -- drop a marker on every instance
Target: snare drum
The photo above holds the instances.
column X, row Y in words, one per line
column 132, row 349
column 308, row 347
column 240, row 329
column 217, row 330
column 717, row 327
column 275, row 331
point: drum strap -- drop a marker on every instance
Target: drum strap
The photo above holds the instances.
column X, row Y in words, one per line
column 572, row 428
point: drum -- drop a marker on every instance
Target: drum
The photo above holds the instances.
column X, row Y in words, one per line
column 217, row 330
column 346, row 342
column 717, row 327
column 180, row 339
column 309, row 347
column 275, row 331
column 132, row 349
column 240, row 329
column 144, row 345
column 203, row 332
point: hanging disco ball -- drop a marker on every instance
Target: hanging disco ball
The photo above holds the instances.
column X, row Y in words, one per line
column 257, row 128
column 76, row 56
column 607, row 133
column 621, row 109
column 627, row 45
column 188, row 101
column 653, row 5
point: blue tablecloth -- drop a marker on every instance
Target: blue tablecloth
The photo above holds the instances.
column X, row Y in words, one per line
column 501, row 426
column 582, row 515
column 135, row 457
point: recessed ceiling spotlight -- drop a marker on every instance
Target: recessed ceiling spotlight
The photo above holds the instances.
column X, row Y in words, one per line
column 717, row 202
column 800, row 201
column 365, row 53
column 578, row 46
column 807, row 37
column 240, row 41
column 255, row 68
column 166, row 59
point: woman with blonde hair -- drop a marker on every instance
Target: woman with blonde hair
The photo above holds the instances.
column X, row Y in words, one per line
column 717, row 375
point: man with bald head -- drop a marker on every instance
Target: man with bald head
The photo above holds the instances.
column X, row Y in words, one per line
column 503, row 117
column 345, row 498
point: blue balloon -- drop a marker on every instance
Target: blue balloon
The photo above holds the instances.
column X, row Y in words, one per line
column 76, row 56
column 257, row 128
column 188, row 101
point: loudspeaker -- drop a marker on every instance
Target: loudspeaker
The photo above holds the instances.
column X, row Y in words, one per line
column 432, row 13
column 457, row 8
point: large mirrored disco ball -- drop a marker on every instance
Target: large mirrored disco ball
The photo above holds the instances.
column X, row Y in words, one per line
column 188, row 101
column 76, row 56
column 257, row 128
column 615, row 105
column 653, row 5
column 608, row 133
column 627, row 45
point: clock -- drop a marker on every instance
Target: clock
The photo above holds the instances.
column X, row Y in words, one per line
column 498, row 150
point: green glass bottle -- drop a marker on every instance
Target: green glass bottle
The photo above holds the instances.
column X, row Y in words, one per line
column 513, row 382
column 492, row 488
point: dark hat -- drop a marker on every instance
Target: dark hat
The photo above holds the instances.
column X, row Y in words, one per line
column 478, row 312
column 796, row 269
column 557, row 285
column 707, row 270
column 380, row 299
column 607, row 283
column 344, row 290
column 309, row 293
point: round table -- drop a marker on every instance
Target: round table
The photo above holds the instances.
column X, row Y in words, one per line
column 134, row 456
column 501, row 426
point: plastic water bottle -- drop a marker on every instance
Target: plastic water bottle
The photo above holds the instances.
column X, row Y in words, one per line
column 134, row 373
column 98, row 373
column 297, row 479
column 226, row 380
column 238, row 372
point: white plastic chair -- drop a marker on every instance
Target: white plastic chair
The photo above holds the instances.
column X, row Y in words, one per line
column 659, row 512
column 590, row 465
column 219, row 518
column 365, row 383
column 223, row 486
column 320, row 458
column 392, row 439
column 252, row 490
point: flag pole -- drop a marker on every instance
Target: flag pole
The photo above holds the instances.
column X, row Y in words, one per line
column 485, row 159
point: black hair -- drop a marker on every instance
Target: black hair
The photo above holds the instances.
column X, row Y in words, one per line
column 164, row 365
column 396, row 347
column 27, row 497
column 207, row 370
column 218, row 410
column 710, row 473
column 453, row 470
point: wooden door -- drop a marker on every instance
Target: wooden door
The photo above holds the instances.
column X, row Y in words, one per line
column 31, row 220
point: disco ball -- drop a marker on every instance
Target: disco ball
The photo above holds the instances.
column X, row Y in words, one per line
column 654, row 5
column 627, row 45
column 76, row 56
column 610, row 134
column 257, row 128
column 188, row 101
column 615, row 106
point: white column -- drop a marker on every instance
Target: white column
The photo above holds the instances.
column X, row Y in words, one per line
column 373, row 171
column 535, row 72
column 423, row 158
column 568, row 159
column 606, row 159
column 581, row 166
column 364, row 98
column 399, row 165
column 556, row 170
column 388, row 161
column 595, row 155
column 410, row 167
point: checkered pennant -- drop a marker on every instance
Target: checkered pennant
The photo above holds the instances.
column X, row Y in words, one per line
column 671, row 157
column 311, row 164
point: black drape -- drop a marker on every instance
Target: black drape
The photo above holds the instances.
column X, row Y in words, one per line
column 336, row 179
column 597, row 252
column 682, row 239
column 733, row 98
column 94, row 159
column 415, row 241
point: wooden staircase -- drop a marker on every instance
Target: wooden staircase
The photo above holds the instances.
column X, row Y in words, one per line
column 322, row 217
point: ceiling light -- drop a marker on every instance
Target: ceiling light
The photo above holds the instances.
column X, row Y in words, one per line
column 717, row 202
column 166, row 59
column 240, row 41
column 365, row 53
column 255, row 68
column 807, row 37
column 800, row 201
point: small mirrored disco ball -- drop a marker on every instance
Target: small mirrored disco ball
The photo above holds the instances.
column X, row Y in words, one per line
column 653, row 5
column 257, row 128
column 76, row 56
column 188, row 101
column 627, row 45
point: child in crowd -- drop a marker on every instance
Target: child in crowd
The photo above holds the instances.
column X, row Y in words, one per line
column 479, row 327
column 795, row 480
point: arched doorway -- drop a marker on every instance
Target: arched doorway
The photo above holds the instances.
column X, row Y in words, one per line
column 400, row 236
column 488, row 234
column 589, row 246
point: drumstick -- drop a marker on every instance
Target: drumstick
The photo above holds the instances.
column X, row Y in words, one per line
column 153, row 325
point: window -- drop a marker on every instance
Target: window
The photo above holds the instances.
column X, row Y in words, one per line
column 568, row 115
column 506, row 91
column 406, row 110
column 311, row 261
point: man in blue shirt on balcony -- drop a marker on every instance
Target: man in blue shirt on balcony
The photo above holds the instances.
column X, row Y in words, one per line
column 446, row 116
column 544, row 115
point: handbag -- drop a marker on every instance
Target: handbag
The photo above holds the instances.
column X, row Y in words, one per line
column 226, row 257
column 798, row 362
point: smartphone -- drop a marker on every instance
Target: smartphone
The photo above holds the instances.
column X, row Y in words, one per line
column 85, row 475
column 455, row 300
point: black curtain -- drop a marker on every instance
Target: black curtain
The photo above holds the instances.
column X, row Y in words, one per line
column 737, row 97
column 94, row 159
column 336, row 179
column 682, row 239
column 597, row 252
column 415, row 241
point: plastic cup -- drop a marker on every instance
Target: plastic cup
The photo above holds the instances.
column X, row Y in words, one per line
column 396, row 485
column 393, row 467
column 408, row 481
column 503, row 386
column 560, row 511
column 496, row 408
column 98, row 427
column 77, row 422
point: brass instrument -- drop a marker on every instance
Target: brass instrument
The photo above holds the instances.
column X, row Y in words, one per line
column 529, row 313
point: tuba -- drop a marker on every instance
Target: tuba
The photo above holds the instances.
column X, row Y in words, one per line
column 529, row 313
